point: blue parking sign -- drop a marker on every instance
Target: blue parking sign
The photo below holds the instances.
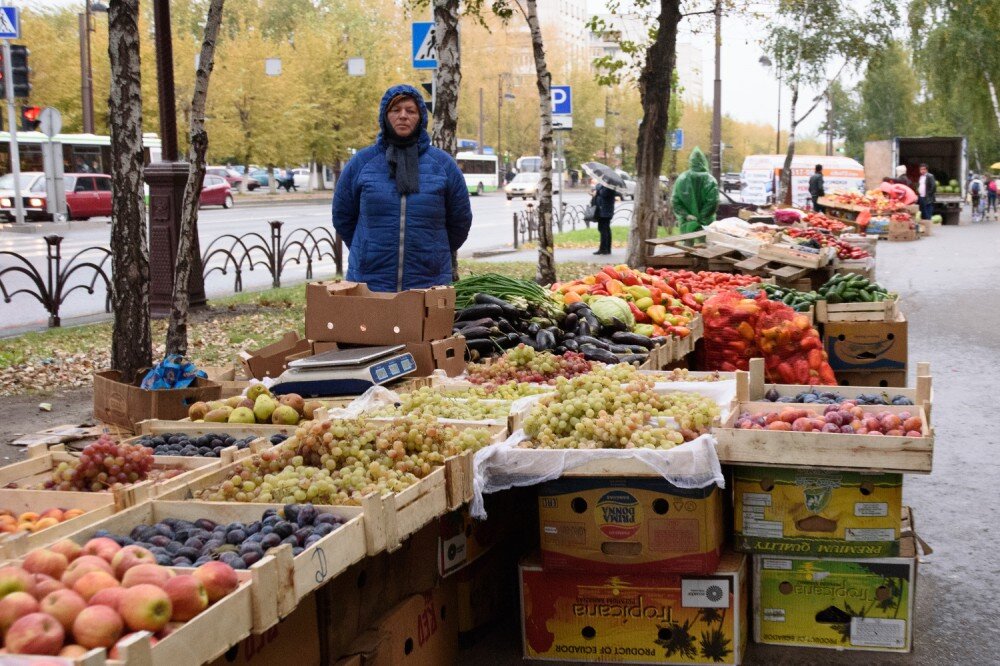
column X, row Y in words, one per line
column 562, row 101
column 678, row 139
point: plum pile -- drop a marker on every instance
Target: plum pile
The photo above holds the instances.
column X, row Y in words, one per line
column 832, row 397
column 183, row 543
column 209, row 445
column 846, row 418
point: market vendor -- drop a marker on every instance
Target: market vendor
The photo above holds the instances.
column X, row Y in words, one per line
column 696, row 195
column 401, row 205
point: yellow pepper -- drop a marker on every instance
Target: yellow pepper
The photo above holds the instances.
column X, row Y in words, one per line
column 615, row 287
column 644, row 303
column 657, row 313
column 639, row 292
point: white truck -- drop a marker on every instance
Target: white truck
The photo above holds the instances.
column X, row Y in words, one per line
column 945, row 157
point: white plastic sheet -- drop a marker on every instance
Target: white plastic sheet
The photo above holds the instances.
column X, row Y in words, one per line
column 693, row 464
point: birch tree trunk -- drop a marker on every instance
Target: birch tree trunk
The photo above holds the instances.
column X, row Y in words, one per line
column 198, row 146
column 449, row 76
column 993, row 95
column 654, row 92
column 546, row 248
column 785, row 184
column 131, row 343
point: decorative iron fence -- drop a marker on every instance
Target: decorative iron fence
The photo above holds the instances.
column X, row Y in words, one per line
column 238, row 254
column 526, row 221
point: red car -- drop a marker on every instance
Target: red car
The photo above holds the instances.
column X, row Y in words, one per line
column 215, row 191
column 87, row 195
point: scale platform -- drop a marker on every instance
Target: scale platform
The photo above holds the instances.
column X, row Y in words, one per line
column 345, row 371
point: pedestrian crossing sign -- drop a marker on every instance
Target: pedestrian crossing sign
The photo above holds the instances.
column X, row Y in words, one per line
column 424, row 45
column 10, row 23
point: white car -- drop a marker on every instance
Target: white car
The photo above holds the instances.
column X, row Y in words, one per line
column 301, row 177
column 525, row 185
column 629, row 185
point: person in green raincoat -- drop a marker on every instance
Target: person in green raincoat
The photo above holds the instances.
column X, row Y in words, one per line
column 696, row 195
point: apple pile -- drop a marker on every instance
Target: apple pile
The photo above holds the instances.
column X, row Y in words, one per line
column 66, row 599
column 258, row 406
column 845, row 418
column 32, row 521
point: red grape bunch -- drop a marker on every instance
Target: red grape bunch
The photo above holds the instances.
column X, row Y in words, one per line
column 524, row 364
column 103, row 465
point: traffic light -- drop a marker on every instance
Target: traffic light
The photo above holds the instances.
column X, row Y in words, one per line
column 20, row 72
column 30, row 118
column 429, row 87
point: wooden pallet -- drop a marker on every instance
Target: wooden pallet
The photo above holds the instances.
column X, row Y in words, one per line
column 887, row 310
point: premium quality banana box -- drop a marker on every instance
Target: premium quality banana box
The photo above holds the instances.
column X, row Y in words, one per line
column 617, row 525
column 817, row 513
column 843, row 604
column 636, row 618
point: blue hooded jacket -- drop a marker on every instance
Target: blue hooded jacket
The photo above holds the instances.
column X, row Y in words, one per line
column 399, row 242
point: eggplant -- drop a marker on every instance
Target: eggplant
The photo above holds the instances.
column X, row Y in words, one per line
column 505, row 326
column 592, row 353
column 571, row 345
column 478, row 312
column 509, row 310
column 505, row 342
column 514, row 339
column 633, row 358
column 583, row 329
column 619, row 349
column 574, row 308
column 556, row 331
column 533, row 328
column 479, row 332
column 659, row 340
column 569, row 321
column 545, row 341
column 638, row 349
column 529, row 341
column 629, row 338
column 482, row 346
column 591, row 319
column 568, row 336
column 488, row 322
column 592, row 341
column 615, row 326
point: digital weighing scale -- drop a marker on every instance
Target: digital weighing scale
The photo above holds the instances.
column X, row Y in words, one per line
column 345, row 371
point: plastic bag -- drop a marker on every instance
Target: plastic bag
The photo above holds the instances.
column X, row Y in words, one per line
column 729, row 319
column 173, row 372
column 694, row 464
column 792, row 349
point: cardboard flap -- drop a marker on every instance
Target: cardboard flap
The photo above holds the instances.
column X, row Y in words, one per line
column 271, row 360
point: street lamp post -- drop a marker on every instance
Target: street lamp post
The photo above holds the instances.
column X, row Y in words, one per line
column 86, row 71
column 717, row 97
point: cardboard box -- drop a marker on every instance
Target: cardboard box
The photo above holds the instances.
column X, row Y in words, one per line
column 842, row 604
column 125, row 405
column 812, row 512
column 322, row 347
column 890, row 378
column 867, row 345
column 636, row 618
column 420, row 631
column 296, row 635
column 447, row 355
column 487, row 593
column 350, row 312
column 462, row 539
column 616, row 525
column 272, row 360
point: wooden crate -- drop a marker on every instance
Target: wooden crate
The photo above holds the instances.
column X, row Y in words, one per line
column 886, row 310
column 262, row 432
column 862, row 267
column 96, row 506
column 791, row 256
column 751, row 387
column 813, row 449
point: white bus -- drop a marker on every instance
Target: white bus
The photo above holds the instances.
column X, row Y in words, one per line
column 533, row 163
column 481, row 172
column 82, row 153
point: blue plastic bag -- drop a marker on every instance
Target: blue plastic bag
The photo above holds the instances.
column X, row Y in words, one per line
column 173, row 372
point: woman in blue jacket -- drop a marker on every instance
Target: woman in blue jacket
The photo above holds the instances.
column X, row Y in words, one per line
column 401, row 205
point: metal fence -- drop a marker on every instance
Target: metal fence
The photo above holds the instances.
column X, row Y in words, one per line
column 571, row 218
column 239, row 254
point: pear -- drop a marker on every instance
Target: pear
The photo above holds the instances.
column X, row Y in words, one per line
column 198, row 410
column 215, row 404
column 293, row 400
column 233, row 401
column 284, row 415
column 263, row 407
column 242, row 415
column 256, row 391
column 220, row 415
column 309, row 409
column 246, row 402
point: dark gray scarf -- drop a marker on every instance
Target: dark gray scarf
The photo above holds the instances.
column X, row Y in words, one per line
column 403, row 156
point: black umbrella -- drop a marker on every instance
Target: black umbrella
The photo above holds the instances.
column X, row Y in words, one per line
column 605, row 176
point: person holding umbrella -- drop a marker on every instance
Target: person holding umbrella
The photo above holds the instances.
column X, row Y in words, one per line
column 603, row 202
column 696, row 195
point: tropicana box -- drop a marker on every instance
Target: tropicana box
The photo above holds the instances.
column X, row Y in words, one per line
column 349, row 312
column 636, row 618
column 816, row 512
column 616, row 525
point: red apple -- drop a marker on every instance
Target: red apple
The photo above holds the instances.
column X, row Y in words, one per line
column 45, row 562
column 131, row 556
column 15, row 579
column 93, row 582
column 15, row 606
column 84, row 565
column 188, row 596
column 103, row 547
column 145, row 608
column 35, row 633
column 218, row 578
column 147, row 574
column 98, row 626
column 70, row 549
column 46, row 585
column 73, row 651
column 115, row 653
column 109, row 596
column 63, row 605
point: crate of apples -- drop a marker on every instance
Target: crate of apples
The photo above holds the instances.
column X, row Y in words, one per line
column 67, row 599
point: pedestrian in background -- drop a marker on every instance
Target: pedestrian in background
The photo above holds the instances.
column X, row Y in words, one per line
column 604, row 204
column 401, row 205
column 901, row 176
column 926, row 189
column 991, row 195
column 816, row 188
column 976, row 197
column 695, row 198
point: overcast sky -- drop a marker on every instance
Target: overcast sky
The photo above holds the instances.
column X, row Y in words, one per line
column 749, row 91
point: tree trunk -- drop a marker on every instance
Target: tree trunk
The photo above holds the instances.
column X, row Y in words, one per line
column 449, row 76
column 993, row 95
column 546, row 247
column 654, row 92
column 785, row 184
column 198, row 146
column 131, row 343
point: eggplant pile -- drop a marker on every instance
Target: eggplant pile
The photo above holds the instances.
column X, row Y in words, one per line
column 491, row 325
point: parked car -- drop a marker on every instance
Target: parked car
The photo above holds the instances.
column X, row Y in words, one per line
column 87, row 195
column 215, row 191
column 259, row 176
column 301, row 177
column 232, row 176
column 729, row 207
column 629, row 185
column 525, row 185
column 731, row 182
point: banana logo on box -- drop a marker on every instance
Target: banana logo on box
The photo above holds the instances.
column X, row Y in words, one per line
column 618, row 514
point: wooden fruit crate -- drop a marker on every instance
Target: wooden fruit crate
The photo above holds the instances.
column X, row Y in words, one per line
column 815, row 449
column 886, row 310
column 263, row 434
column 751, row 387
column 284, row 579
column 791, row 256
column 96, row 506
